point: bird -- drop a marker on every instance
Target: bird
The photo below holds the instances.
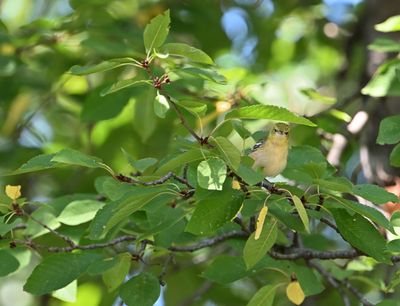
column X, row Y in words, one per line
column 271, row 154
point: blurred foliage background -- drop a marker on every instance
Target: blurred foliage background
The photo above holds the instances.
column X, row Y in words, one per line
column 269, row 50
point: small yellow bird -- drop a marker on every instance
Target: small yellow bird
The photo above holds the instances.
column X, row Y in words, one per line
column 272, row 153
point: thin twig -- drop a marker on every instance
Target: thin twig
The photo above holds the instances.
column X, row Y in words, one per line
column 314, row 254
column 199, row 139
column 336, row 283
column 330, row 224
column 63, row 237
column 159, row 181
column 331, row 280
column 208, row 242
column 76, row 246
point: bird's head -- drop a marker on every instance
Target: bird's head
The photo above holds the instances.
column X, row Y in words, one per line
column 280, row 129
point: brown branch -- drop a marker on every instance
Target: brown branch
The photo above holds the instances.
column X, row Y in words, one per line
column 199, row 139
column 338, row 283
column 331, row 280
column 208, row 242
column 314, row 254
column 67, row 239
column 161, row 180
column 76, row 246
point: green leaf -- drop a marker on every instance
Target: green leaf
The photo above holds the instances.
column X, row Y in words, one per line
column 161, row 106
column 388, row 303
column 395, row 156
column 270, row 112
column 102, row 265
column 122, row 85
column 76, row 158
column 228, row 151
column 80, row 211
column 143, row 290
column 302, row 212
column 225, row 269
column 97, row 108
column 392, row 24
column 156, row 31
column 37, row 163
column 389, row 130
column 8, row 263
column 111, row 188
column 364, row 210
column 6, row 227
column 182, row 159
column 361, row 234
column 186, row 51
column 114, row 276
column 394, row 246
column 103, row 66
column 144, row 120
column 246, row 172
column 309, row 282
column 143, row 164
column 119, row 210
column 375, row 194
column 340, row 184
column 264, row 297
column 193, row 107
column 214, row 210
column 382, row 44
column 255, row 250
column 211, row 174
column 57, row 271
column 384, row 81
column 316, row 96
column 204, row 73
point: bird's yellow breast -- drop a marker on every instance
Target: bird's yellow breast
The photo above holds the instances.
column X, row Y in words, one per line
column 272, row 156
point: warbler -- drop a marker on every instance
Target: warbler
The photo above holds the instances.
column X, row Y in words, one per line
column 271, row 154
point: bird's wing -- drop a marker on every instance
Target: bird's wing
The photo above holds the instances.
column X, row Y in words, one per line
column 257, row 145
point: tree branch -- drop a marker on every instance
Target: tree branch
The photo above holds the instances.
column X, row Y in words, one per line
column 161, row 180
column 313, row 254
column 208, row 242
column 76, row 246
column 199, row 139
column 67, row 239
column 337, row 283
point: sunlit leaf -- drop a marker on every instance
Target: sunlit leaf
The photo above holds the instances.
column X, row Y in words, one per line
column 103, row 66
column 302, row 212
column 270, row 112
column 211, row 174
column 156, row 31
column 187, row 51
column 392, row 24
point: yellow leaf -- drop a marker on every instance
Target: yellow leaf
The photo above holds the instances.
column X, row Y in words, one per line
column 260, row 222
column 294, row 293
column 13, row 192
column 235, row 185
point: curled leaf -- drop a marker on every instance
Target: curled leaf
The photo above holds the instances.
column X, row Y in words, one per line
column 295, row 293
column 13, row 192
column 260, row 221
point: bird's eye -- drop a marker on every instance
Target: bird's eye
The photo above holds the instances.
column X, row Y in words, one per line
column 286, row 133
